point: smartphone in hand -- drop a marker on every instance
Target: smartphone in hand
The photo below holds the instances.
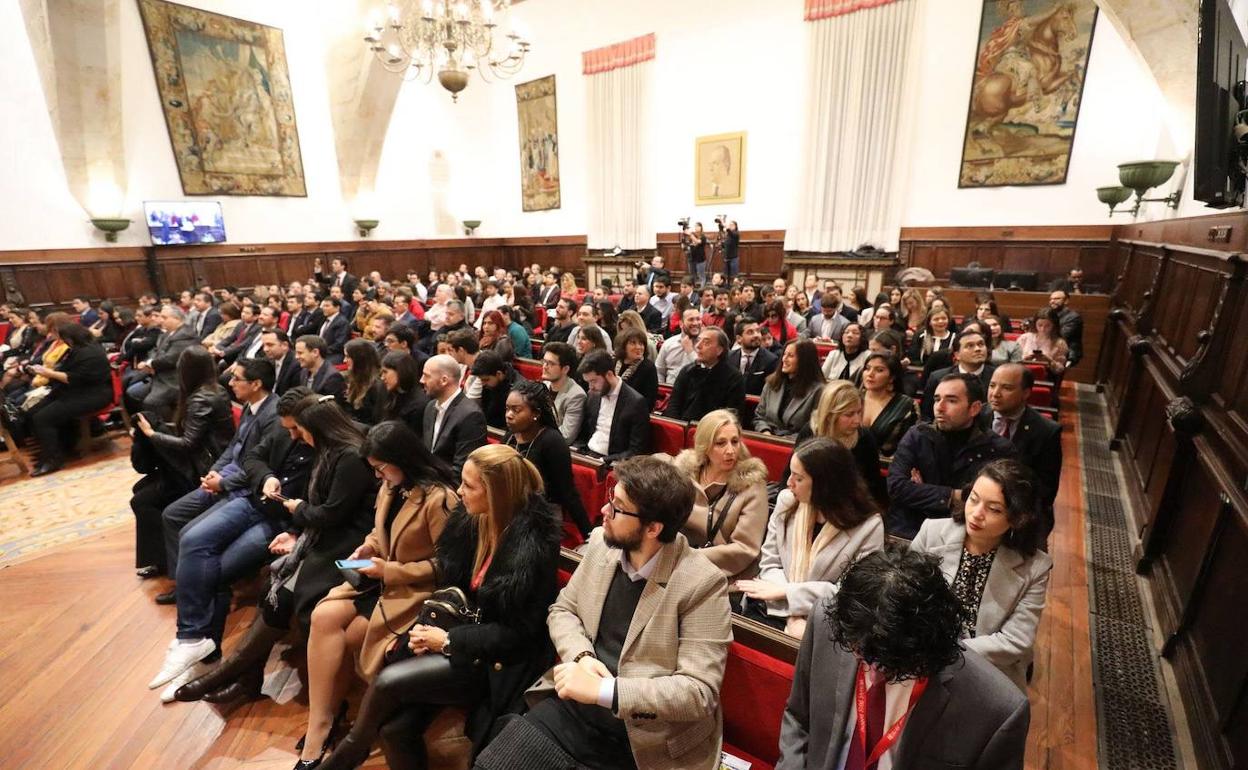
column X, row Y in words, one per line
column 353, row 563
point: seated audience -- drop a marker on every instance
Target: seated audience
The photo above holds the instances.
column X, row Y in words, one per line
column 22, row 337
column 677, row 351
column 404, row 398
column 365, row 392
column 1072, row 283
column 709, row 383
column 562, row 321
column 729, row 518
column 413, row 505
column 831, row 295
column 631, row 319
column 558, row 361
column 174, row 457
column 207, row 317
column 846, row 360
column 335, row 328
column 617, row 422
column 86, row 314
column 231, row 348
column 988, row 552
column 501, row 549
column 453, row 423
column 1069, row 325
column 986, row 306
column 609, row 704
column 791, row 391
column 160, row 390
column 634, row 367
column 934, row 338
column 286, row 369
column 662, row 301
column 755, row 362
column 464, row 349
column 231, row 319
column 497, row 379
column 1003, row 351
column 454, row 321
column 887, row 412
column 135, row 347
column 824, row 520
column 970, row 357
column 838, row 416
column 309, row 319
column 890, row 638
column 827, row 324
column 1037, row 438
column 534, row 432
column 19, row 380
column 1044, row 344
column 516, row 331
column 318, row 374
column 586, row 327
column 775, row 321
column 494, row 336
column 935, row 461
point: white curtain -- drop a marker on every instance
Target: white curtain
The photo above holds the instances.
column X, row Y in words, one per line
column 619, row 156
column 854, row 161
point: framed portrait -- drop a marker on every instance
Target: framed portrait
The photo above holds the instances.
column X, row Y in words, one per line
column 539, row 144
column 719, row 169
column 224, row 88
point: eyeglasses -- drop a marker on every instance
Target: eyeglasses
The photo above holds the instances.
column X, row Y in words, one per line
column 614, row 510
column 380, row 468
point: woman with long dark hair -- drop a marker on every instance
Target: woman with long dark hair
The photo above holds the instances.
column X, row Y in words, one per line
column 886, row 409
column 405, row 399
column 776, row 320
column 502, row 550
column 791, row 390
column 174, row 457
column 80, row 385
column 1044, row 343
column 845, row 362
column 413, row 505
column 606, row 316
column 533, row 430
column 823, row 521
column 365, row 393
column 106, row 329
column 635, row 366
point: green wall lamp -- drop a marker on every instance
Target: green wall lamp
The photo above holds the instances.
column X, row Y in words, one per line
column 110, row 226
column 366, row 226
column 1112, row 196
column 1142, row 176
column 471, row 225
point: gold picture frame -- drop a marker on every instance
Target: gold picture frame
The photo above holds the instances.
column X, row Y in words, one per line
column 719, row 169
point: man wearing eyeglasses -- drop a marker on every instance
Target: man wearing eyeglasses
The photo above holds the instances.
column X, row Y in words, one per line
column 643, row 629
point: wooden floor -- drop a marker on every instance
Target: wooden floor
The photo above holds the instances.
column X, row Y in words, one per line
column 80, row 637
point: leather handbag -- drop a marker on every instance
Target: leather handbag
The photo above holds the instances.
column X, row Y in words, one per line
column 445, row 608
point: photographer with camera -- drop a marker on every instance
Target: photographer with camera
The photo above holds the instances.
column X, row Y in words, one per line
column 694, row 243
column 648, row 274
column 728, row 245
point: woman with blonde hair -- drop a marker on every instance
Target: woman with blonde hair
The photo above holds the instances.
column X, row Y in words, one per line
column 501, row 549
column 729, row 516
column 838, row 416
column 567, row 284
column 823, row 521
column 912, row 313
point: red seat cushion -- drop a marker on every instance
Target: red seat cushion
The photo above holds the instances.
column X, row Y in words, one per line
column 775, row 455
column 592, row 491
column 755, row 689
column 665, row 393
column 1039, row 371
column 667, row 435
column 529, row 369
column 1041, row 395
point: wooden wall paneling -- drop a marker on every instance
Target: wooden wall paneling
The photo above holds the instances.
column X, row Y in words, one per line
column 1049, row 251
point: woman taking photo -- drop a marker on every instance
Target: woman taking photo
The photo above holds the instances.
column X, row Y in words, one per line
column 845, row 362
column 365, row 393
column 887, row 411
column 326, row 527
column 729, row 518
column 838, row 416
column 791, row 391
column 501, row 549
column 988, row 553
column 81, row 385
column 534, row 432
column 823, row 521
column 494, row 336
column 415, row 500
column 635, row 367
column 1003, row 351
column 404, row 398
column 175, row 458
column 1044, row 344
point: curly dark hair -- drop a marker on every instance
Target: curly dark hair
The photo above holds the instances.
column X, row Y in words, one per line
column 895, row 611
column 1021, row 490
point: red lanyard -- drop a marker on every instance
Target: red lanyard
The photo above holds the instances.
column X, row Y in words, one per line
column 890, row 737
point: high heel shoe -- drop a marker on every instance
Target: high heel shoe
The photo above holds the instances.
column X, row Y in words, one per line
column 335, row 730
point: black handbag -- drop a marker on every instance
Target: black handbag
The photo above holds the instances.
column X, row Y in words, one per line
column 445, row 608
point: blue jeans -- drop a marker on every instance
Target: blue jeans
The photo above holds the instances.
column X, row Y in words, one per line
column 699, row 273
column 731, row 268
column 225, row 543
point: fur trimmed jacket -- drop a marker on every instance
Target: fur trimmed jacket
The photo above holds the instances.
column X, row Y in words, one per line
column 510, row 648
column 736, row 511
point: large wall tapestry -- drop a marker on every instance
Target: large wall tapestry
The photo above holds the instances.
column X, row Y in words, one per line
column 539, row 144
column 719, row 169
column 1025, row 95
column 225, row 90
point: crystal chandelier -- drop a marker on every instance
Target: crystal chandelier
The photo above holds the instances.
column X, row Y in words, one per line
column 421, row 37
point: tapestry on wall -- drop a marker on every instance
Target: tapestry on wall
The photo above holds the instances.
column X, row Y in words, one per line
column 1026, row 91
column 225, row 89
column 539, row 144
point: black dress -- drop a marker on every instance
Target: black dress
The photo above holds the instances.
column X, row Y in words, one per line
column 642, row 377
column 549, row 452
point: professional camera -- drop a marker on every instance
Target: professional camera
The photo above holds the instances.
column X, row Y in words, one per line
column 683, row 222
column 721, row 221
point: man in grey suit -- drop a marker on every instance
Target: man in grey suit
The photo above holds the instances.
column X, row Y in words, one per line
column 454, row 425
column 901, row 620
column 558, row 358
column 159, row 392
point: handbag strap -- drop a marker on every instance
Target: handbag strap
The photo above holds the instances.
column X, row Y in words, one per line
column 714, row 527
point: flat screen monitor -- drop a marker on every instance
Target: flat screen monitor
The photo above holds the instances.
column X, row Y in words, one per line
column 976, row 277
column 1020, row 280
column 177, row 223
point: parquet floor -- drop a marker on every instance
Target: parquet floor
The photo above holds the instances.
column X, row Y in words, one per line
column 80, row 637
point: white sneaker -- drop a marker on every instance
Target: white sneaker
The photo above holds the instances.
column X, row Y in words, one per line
column 194, row 672
column 179, row 658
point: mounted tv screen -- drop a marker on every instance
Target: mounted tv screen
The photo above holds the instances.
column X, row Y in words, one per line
column 177, row 223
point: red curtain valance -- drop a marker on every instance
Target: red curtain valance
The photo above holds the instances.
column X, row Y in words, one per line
column 826, row 9
column 614, row 57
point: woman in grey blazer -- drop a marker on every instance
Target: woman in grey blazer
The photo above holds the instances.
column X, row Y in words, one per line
column 791, row 392
column 823, row 522
column 989, row 555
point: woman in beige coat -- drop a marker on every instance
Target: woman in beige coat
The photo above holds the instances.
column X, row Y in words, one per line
column 412, row 508
column 729, row 516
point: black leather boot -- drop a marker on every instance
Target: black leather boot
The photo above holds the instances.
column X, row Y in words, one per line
column 245, row 662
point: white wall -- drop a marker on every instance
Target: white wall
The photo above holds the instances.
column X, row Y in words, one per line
column 722, row 65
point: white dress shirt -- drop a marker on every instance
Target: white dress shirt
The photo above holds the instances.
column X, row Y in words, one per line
column 441, row 408
column 600, row 440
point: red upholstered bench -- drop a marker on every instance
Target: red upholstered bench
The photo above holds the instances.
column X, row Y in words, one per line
column 665, row 393
column 1012, row 336
column 1041, row 395
column 238, row 414
column 824, row 348
column 538, row 346
column 668, row 435
column 1039, row 371
column 593, row 494
column 756, row 687
column 4, row 330
column 751, row 406
column 772, row 450
column 539, row 315
column 529, row 369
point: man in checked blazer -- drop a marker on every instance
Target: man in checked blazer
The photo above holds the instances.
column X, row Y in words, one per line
column 643, row 629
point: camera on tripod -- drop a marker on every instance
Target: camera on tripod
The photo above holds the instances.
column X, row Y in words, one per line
column 683, row 223
column 721, row 221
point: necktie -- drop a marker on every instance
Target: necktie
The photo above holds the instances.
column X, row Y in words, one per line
column 745, row 363
column 1003, row 426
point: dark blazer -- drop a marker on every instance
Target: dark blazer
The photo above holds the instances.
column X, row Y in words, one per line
column 370, row 405
column 1072, row 331
column 494, row 400
column 21, row 342
column 207, row 322
column 924, row 448
column 653, row 319
column 349, row 282
column 306, row 322
column 762, row 365
column 698, row 391
column 970, row 716
column 165, row 364
column 327, row 382
column 207, row 427
column 290, row 374
column 630, row 427
column 89, row 317
column 651, row 275
column 463, row 430
column 645, row 380
column 510, row 647
column 929, row 390
column 90, row 385
column 251, row 428
column 279, row 456
column 410, row 409
column 137, row 344
column 336, row 336
column 232, row 351
column 1039, row 443
column 549, row 296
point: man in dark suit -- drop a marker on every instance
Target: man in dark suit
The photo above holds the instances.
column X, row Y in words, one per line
column 286, row 369
column 318, row 374
column 228, row 350
column 754, row 361
column 308, row 320
column 549, row 295
column 208, row 317
column 86, row 314
column 709, row 383
column 160, row 392
column 141, row 340
column 338, row 276
column 617, row 420
column 335, row 329
column 1037, row 438
column 453, row 424
column 1071, row 284
column 971, row 357
column 497, row 379
column 966, row 713
column 650, row 315
column 1071, row 325
column 647, row 275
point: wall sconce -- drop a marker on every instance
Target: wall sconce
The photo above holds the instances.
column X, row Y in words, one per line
column 471, row 225
column 110, row 226
column 366, row 226
column 1141, row 176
